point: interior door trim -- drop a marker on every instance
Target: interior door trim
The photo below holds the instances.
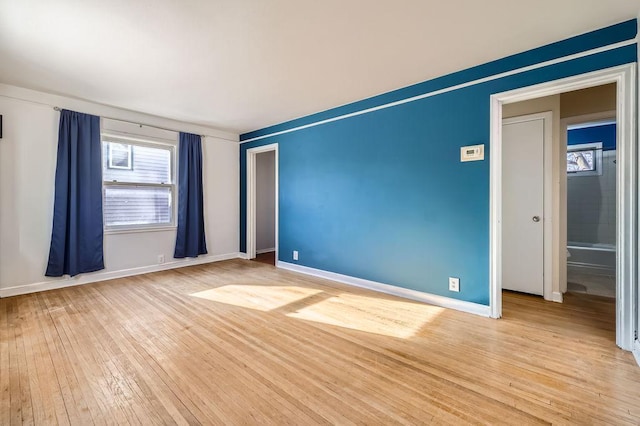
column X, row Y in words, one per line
column 625, row 78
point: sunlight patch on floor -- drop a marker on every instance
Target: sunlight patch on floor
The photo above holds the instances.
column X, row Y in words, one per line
column 262, row 298
column 388, row 317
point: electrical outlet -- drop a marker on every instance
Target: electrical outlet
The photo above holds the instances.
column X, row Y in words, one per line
column 454, row 284
column 295, row 255
column 160, row 259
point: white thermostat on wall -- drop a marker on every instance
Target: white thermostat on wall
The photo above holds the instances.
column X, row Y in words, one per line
column 472, row 153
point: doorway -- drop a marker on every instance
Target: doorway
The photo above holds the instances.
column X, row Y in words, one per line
column 626, row 281
column 262, row 204
column 591, row 198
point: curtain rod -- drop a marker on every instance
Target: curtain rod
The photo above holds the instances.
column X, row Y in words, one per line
column 149, row 125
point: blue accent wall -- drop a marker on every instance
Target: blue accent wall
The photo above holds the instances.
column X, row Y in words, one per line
column 605, row 134
column 383, row 196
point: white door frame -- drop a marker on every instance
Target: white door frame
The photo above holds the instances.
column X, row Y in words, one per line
column 251, row 197
column 627, row 188
column 547, row 190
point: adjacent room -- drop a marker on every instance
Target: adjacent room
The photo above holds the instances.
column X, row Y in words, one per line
column 538, row 134
column 289, row 212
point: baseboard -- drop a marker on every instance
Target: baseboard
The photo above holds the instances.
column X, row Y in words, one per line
column 244, row 256
column 103, row 276
column 636, row 351
column 556, row 296
column 267, row 250
column 432, row 299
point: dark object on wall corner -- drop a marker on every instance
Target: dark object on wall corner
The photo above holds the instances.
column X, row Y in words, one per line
column 0, row 127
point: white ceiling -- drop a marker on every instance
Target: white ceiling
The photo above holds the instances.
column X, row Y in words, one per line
column 241, row 65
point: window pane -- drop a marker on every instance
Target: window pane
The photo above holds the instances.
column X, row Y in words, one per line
column 137, row 206
column 120, row 156
column 581, row 161
column 145, row 165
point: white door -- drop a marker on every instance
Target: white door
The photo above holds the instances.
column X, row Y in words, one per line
column 523, row 204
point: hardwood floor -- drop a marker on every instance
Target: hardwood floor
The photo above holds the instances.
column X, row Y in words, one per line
column 269, row 258
column 239, row 342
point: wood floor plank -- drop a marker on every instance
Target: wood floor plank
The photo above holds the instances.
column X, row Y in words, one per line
column 154, row 345
column 88, row 366
column 240, row 342
column 21, row 401
column 136, row 380
column 155, row 388
column 72, row 397
column 243, row 344
column 5, row 369
column 52, row 396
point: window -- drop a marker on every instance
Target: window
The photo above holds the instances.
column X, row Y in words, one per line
column 581, row 161
column 584, row 159
column 119, row 156
column 138, row 183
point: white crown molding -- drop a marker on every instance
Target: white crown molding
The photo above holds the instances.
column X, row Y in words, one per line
column 89, row 107
column 451, row 88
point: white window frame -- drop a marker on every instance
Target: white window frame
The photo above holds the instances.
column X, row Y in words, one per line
column 152, row 143
column 596, row 147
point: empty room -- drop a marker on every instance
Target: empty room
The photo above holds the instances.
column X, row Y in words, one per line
column 338, row 212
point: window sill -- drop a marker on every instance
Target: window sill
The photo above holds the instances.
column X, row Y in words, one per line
column 139, row 230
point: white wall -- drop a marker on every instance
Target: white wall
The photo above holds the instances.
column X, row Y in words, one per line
column 591, row 204
column 265, row 201
column 27, row 171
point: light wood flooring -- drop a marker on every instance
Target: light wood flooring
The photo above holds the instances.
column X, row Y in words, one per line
column 243, row 343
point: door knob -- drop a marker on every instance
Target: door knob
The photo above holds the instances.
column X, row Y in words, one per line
column 536, row 218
